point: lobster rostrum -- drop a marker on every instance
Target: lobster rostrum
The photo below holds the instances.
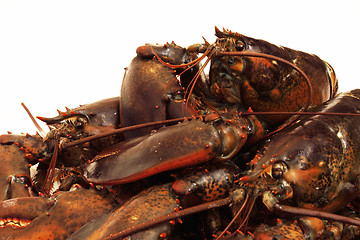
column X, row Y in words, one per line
column 232, row 87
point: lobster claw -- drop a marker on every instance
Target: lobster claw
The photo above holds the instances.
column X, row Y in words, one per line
column 143, row 207
column 161, row 99
column 43, row 218
column 168, row 148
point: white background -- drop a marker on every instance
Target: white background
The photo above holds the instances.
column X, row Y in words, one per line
column 65, row 53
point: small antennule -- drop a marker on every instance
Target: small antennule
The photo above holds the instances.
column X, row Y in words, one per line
column 41, row 131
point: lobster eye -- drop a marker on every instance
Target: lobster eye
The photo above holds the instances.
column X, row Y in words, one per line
column 23, row 180
column 239, row 45
column 278, row 170
column 80, row 122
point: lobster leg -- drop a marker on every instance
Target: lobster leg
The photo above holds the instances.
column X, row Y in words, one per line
column 169, row 148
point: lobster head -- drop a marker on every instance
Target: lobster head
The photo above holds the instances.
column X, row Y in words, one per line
column 88, row 119
column 309, row 164
column 265, row 84
column 81, row 122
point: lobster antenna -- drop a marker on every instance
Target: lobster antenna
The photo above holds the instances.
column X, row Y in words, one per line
column 249, row 203
column 314, row 213
column 236, row 217
column 178, row 120
column 301, row 113
column 48, row 183
column 126, row 129
column 196, row 77
column 222, row 202
column 171, row 216
column 41, row 131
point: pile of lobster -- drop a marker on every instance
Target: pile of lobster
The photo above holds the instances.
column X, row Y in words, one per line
column 262, row 147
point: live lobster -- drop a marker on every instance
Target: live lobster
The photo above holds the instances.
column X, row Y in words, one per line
column 232, row 87
column 150, row 92
column 313, row 164
column 304, row 154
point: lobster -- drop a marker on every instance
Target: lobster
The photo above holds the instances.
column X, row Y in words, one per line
column 308, row 169
column 186, row 191
column 39, row 149
column 222, row 135
column 243, row 75
column 232, row 87
column 312, row 164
